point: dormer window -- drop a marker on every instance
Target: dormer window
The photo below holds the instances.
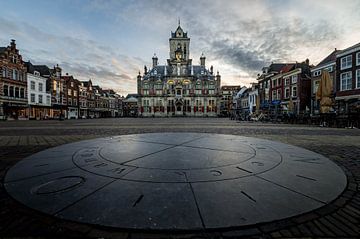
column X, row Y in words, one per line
column 36, row 73
column 155, row 72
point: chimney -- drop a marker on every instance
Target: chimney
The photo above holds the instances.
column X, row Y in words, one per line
column 202, row 59
column 13, row 44
column 155, row 60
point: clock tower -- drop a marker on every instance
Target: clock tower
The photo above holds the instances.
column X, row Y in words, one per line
column 179, row 47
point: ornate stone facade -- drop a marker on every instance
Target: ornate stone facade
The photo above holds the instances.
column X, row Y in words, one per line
column 179, row 88
column 13, row 85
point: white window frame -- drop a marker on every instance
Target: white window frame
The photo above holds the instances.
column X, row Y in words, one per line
column 357, row 86
column 358, row 58
column 287, row 81
column 287, row 95
column 32, row 98
column 317, row 73
column 40, row 99
column 294, row 79
column 32, row 85
column 341, row 80
column 40, row 87
column 274, row 94
column 345, row 63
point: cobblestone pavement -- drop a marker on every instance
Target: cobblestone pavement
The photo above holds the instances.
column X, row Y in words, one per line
column 341, row 218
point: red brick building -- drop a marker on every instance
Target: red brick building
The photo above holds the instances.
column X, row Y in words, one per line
column 293, row 83
column 13, row 84
column 72, row 96
column 348, row 80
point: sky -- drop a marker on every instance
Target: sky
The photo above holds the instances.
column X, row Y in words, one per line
column 110, row 41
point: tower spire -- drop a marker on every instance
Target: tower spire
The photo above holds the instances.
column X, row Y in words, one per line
column 179, row 21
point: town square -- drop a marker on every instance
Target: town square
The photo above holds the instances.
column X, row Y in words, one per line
column 146, row 119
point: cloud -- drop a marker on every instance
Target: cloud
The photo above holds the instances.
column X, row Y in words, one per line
column 237, row 37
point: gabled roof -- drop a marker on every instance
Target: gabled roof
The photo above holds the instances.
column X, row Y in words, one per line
column 132, row 96
column 42, row 69
column 330, row 58
column 287, row 68
column 276, row 67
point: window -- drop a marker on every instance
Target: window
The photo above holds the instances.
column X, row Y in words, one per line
column 316, row 86
column 358, row 78
column 159, row 92
column 48, row 99
column 198, row 92
column 346, row 81
column 211, row 92
column 178, row 92
column 32, row 85
column 146, row 92
column 4, row 72
column 36, row 73
column 279, row 82
column 75, row 93
column 11, row 91
column 294, row 79
column 17, row 92
column 72, row 84
column 274, row 83
column 358, row 58
column 15, row 75
column 287, row 81
column 40, row 87
column 287, row 92
column 278, row 94
column 294, row 91
column 6, row 90
column 75, row 102
column 22, row 93
column 32, row 98
column 69, row 91
column 40, row 99
column 274, row 95
column 317, row 73
column 346, row 62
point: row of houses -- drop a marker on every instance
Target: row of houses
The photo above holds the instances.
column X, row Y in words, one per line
column 291, row 88
column 29, row 91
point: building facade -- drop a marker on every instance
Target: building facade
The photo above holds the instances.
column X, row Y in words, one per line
column 179, row 88
column 254, row 98
column 227, row 93
column 328, row 64
column 13, row 84
column 38, row 99
column 265, row 83
column 290, row 89
column 72, row 96
column 348, row 80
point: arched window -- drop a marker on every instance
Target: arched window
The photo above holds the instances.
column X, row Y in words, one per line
column 22, row 93
column 17, row 92
column 4, row 72
column 11, row 91
column 6, row 90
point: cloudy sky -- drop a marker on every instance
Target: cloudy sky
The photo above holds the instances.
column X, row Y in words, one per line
column 109, row 41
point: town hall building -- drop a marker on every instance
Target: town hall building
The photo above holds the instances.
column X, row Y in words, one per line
column 179, row 88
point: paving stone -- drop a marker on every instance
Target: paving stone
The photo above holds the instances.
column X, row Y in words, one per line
column 345, row 152
column 241, row 233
